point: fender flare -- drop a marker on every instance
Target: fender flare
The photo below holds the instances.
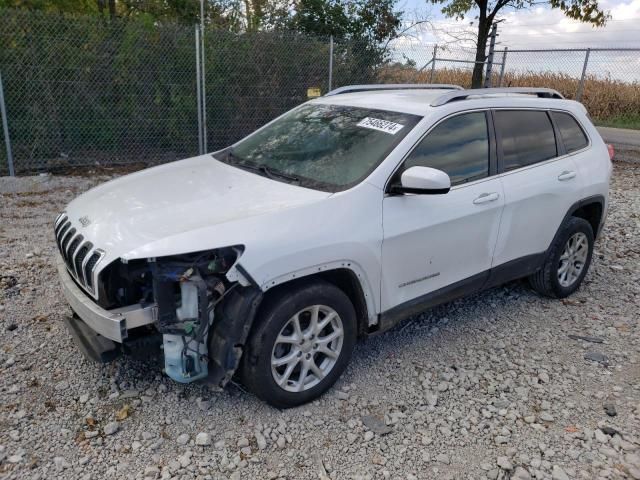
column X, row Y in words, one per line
column 575, row 207
column 354, row 267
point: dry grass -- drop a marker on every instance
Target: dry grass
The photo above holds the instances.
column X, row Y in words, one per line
column 605, row 98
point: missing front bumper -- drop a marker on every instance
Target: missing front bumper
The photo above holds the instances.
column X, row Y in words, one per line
column 112, row 324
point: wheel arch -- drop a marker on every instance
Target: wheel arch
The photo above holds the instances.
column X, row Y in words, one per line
column 347, row 276
column 592, row 210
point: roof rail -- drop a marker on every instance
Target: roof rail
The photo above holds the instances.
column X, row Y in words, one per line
column 465, row 94
column 392, row 86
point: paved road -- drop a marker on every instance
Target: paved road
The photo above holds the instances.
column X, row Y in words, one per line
column 620, row 136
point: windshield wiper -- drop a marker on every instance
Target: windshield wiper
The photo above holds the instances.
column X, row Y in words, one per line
column 269, row 172
column 263, row 169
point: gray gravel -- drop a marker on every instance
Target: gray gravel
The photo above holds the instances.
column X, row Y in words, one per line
column 487, row 387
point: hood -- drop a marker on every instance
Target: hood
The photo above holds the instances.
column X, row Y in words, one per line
column 137, row 209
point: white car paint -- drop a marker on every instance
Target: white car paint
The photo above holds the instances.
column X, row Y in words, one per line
column 387, row 241
column 422, row 231
column 536, row 200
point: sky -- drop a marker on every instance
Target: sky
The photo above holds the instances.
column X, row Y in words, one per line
column 536, row 28
column 540, row 27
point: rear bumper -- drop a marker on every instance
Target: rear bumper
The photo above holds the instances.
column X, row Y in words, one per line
column 112, row 324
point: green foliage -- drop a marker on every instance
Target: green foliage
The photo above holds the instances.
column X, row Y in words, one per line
column 57, row 6
column 373, row 21
column 631, row 121
column 81, row 90
column 587, row 11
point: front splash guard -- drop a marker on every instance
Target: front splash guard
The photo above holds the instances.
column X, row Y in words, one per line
column 227, row 336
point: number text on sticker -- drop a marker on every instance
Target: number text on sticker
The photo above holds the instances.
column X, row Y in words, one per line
column 381, row 125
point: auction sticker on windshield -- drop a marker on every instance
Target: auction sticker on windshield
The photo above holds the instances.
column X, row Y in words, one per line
column 380, row 125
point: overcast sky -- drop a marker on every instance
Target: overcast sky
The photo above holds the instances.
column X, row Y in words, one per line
column 537, row 28
column 541, row 27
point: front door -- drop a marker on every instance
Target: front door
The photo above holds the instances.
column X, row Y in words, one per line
column 434, row 242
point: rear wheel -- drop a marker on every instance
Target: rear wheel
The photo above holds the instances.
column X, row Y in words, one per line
column 567, row 261
column 302, row 343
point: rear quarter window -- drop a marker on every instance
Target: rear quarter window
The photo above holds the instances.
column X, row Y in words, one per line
column 527, row 137
column 572, row 134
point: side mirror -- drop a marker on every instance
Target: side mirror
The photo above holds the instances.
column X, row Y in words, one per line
column 422, row 181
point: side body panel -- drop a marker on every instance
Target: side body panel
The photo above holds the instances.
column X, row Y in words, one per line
column 536, row 201
column 594, row 166
column 431, row 241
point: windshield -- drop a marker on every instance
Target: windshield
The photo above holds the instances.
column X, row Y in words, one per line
column 327, row 147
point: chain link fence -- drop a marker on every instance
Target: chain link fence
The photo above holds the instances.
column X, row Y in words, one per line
column 83, row 92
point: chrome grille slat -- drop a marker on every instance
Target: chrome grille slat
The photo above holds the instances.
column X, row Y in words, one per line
column 90, row 267
column 79, row 255
column 85, row 279
column 66, row 238
column 78, row 261
column 71, row 250
column 65, row 226
column 59, row 221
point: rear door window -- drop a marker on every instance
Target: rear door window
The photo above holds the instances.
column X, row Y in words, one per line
column 572, row 134
column 527, row 137
column 458, row 146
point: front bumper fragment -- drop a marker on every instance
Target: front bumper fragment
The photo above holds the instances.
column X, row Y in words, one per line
column 112, row 324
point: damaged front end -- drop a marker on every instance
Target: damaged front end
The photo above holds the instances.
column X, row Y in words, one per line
column 203, row 317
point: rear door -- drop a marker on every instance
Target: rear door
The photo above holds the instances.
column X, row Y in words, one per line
column 540, row 182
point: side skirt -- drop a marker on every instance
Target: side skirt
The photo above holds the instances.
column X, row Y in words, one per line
column 521, row 267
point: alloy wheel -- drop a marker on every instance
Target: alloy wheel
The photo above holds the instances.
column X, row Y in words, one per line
column 573, row 259
column 307, row 348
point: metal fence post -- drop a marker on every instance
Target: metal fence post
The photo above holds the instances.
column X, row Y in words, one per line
column 330, row 63
column 492, row 46
column 204, row 84
column 584, row 73
column 433, row 62
column 199, row 91
column 504, row 61
column 5, row 128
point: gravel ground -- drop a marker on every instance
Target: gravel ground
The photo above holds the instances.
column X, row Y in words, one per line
column 487, row 387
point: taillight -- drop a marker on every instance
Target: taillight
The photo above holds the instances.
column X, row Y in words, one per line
column 612, row 152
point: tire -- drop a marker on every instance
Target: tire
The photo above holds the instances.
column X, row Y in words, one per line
column 549, row 280
column 276, row 322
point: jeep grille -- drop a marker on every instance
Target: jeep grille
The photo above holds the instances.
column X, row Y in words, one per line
column 78, row 253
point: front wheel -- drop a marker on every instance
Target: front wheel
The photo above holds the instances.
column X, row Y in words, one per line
column 567, row 261
column 302, row 343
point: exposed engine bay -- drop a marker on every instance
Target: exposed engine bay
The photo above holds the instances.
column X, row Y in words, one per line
column 203, row 318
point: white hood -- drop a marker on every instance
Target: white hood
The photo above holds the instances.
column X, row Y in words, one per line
column 127, row 213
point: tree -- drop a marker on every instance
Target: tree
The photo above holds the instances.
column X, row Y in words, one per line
column 372, row 21
column 587, row 11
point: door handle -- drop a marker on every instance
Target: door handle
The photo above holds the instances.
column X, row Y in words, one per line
column 566, row 175
column 486, row 198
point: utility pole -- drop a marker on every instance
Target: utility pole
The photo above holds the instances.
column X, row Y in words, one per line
column 492, row 46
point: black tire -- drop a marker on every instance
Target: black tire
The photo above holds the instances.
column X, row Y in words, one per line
column 545, row 281
column 277, row 310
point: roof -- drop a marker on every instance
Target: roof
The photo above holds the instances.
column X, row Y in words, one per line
column 407, row 101
column 416, row 100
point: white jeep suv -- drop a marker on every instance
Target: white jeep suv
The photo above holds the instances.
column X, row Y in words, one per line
column 345, row 215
